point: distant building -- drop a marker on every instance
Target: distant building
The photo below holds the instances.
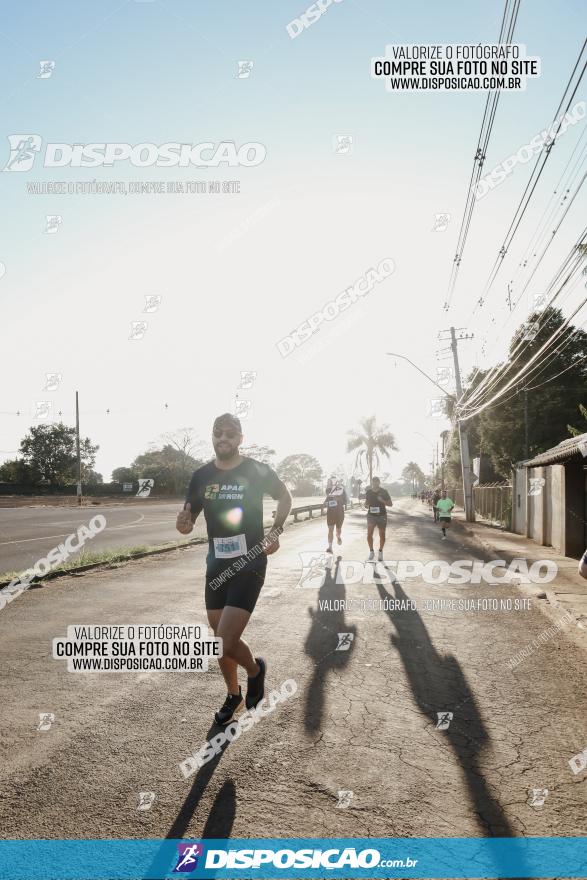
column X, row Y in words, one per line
column 550, row 497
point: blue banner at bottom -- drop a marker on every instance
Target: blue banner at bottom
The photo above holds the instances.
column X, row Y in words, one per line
column 367, row 857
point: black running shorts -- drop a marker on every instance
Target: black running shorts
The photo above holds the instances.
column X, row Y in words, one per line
column 377, row 519
column 241, row 590
column 334, row 517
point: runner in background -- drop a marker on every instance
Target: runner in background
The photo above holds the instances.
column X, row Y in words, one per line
column 377, row 501
column 335, row 501
column 444, row 507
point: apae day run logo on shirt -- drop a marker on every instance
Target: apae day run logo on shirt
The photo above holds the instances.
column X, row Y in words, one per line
column 224, row 492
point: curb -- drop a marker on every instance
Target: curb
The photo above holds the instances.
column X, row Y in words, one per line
column 550, row 606
column 81, row 569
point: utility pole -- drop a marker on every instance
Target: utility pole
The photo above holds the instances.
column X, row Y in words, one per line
column 463, row 435
column 443, row 435
column 79, row 459
column 525, row 421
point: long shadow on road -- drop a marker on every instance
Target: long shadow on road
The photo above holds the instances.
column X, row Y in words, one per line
column 439, row 685
column 321, row 645
column 220, row 819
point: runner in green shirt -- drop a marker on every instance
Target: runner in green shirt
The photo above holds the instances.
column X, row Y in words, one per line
column 444, row 507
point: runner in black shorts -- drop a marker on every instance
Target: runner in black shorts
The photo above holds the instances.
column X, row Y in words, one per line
column 377, row 501
column 335, row 501
column 230, row 491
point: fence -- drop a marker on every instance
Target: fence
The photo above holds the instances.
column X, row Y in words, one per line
column 71, row 490
column 310, row 509
column 492, row 501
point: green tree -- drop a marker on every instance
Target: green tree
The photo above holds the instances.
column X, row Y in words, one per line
column 413, row 473
column 50, row 452
column 371, row 442
column 171, row 468
column 186, row 442
column 259, row 453
column 302, row 472
column 124, row 475
column 15, row 470
column 552, row 394
column 574, row 432
column 92, row 478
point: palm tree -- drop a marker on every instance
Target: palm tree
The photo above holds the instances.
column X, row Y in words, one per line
column 371, row 442
column 413, row 473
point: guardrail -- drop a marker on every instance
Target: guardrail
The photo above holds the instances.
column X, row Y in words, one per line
column 310, row 508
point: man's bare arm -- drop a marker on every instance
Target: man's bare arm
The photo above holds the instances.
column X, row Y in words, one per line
column 283, row 508
column 284, row 503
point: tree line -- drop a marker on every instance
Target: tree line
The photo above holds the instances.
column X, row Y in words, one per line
column 48, row 459
column 547, row 407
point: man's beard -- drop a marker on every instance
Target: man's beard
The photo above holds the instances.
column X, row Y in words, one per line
column 226, row 454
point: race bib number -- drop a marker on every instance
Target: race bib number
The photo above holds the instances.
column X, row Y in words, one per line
column 226, row 548
column 374, row 510
column 332, row 503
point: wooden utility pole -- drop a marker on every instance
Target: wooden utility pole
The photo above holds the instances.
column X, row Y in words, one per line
column 463, row 437
column 79, row 458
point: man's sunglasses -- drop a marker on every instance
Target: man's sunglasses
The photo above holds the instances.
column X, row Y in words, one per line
column 230, row 433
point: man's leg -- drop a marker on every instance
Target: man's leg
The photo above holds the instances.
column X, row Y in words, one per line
column 381, row 537
column 370, row 530
column 230, row 628
column 228, row 666
column 330, row 534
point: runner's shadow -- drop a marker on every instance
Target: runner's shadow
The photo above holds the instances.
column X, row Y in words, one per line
column 439, row 685
column 321, row 644
column 220, row 819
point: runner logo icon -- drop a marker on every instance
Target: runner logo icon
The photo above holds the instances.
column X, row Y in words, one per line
column 187, row 857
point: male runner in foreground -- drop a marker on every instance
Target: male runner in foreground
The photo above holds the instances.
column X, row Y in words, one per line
column 230, row 491
column 444, row 506
column 335, row 501
column 377, row 501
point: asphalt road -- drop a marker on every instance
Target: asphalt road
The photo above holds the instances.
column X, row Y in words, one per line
column 28, row 533
column 363, row 720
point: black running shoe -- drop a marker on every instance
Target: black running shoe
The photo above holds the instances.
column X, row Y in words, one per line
column 256, row 685
column 232, row 705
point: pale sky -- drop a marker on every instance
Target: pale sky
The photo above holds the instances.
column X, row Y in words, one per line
column 238, row 272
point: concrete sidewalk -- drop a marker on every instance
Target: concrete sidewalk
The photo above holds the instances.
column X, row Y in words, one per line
column 566, row 593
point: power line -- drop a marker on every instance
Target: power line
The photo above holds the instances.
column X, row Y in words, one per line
column 543, row 365
column 541, row 161
column 545, row 220
column 496, row 372
column 524, row 369
column 480, row 154
column 539, row 234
